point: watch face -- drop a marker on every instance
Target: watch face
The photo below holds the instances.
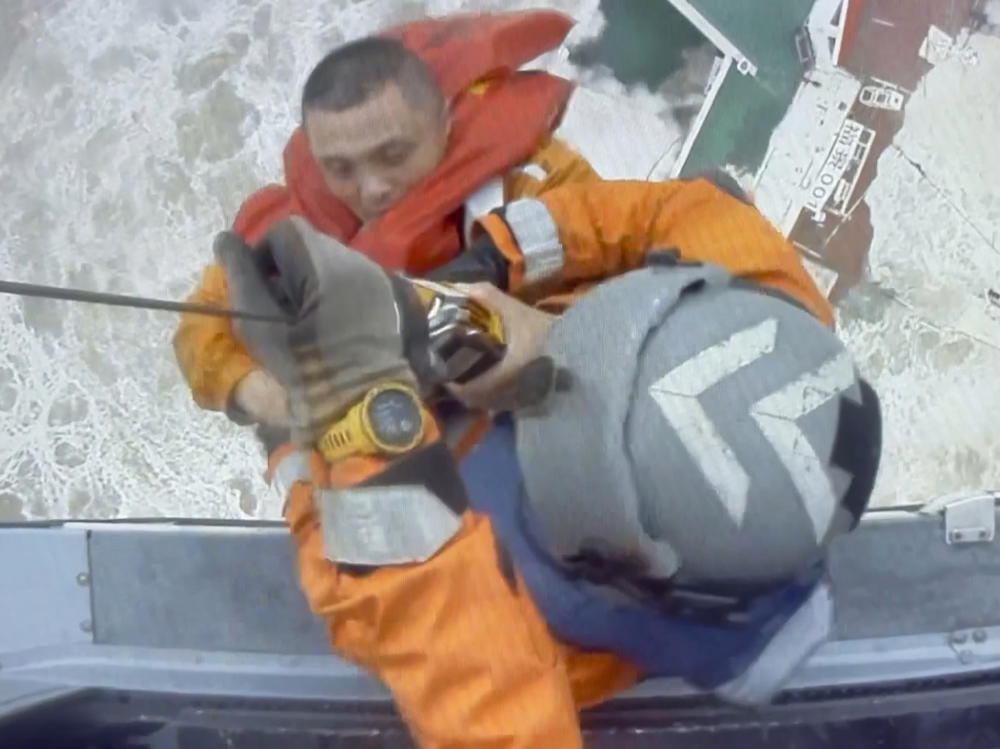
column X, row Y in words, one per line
column 395, row 418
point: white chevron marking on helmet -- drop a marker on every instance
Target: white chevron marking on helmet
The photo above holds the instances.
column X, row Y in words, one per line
column 676, row 393
column 776, row 415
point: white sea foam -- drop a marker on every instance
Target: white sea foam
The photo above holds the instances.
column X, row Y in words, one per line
column 131, row 133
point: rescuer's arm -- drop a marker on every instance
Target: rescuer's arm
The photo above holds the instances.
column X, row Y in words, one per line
column 211, row 358
column 591, row 231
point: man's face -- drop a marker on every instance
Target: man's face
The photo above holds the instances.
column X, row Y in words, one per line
column 371, row 155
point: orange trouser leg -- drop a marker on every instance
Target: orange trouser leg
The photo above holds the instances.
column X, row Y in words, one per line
column 464, row 651
column 596, row 677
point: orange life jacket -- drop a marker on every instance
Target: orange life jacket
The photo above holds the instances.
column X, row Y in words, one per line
column 492, row 131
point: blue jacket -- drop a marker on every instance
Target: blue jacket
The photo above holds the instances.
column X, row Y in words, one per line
column 660, row 645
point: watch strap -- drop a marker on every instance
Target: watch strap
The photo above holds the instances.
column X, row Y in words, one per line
column 355, row 435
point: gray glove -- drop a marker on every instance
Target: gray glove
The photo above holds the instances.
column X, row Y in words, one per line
column 345, row 329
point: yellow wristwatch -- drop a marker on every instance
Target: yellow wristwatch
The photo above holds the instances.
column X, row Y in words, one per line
column 389, row 420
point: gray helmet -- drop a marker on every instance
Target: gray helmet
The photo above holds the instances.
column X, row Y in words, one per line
column 711, row 432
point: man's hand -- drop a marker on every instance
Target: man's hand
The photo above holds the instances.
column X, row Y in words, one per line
column 342, row 334
column 261, row 399
column 526, row 329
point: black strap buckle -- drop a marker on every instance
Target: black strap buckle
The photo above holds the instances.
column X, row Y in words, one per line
column 678, row 601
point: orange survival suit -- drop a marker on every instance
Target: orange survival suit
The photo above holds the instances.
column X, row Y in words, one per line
column 464, row 650
column 501, row 120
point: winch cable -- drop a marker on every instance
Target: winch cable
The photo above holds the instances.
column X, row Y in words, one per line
column 123, row 300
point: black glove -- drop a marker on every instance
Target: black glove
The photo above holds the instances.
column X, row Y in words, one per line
column 481, row 262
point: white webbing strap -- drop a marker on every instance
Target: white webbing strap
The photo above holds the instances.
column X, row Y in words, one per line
column 806, row 630
column 534, row 170
column 291, row 468
column 481, row 202
column 537, row 237
column 382, row 525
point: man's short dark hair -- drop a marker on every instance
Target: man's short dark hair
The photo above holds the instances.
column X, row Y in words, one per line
column 350, row 74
